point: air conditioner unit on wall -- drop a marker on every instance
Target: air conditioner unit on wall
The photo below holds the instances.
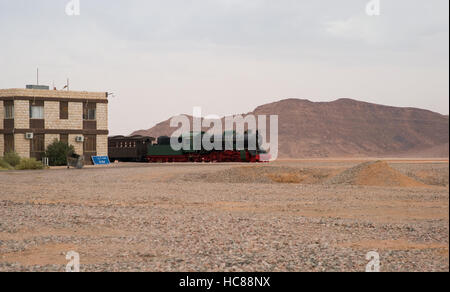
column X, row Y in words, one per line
column 29, row 136
column 79, row 139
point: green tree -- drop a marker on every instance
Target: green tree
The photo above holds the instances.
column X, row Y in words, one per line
column 57, row 153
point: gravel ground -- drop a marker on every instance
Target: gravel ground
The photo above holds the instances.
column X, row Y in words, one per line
column 427, row 173
column 141, row 217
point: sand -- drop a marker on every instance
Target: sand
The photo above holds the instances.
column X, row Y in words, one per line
column 375, row 173
column 282, row 216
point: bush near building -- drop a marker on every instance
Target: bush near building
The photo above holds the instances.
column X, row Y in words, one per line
column 13, row 161
column 57, row 153
column 29, row 164
column 5, row 165
column 12, row 158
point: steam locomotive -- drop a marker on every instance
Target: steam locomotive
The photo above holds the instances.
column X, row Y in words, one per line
column 233, row 147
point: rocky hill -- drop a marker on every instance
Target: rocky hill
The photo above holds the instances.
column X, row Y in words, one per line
column 350, row 128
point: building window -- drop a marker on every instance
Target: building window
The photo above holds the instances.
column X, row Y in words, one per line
column 9, row 143
column 89, row 111
column 37, row 112
column 9, row 109
column 64, row 138
column 63, row 110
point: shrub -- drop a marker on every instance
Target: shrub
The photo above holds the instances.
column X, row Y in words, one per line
column 286, row 178
column 57, row 153
column 12, row 158
column 29, row 163
column 4, row 164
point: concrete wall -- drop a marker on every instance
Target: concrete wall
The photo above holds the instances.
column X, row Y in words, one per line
column 22, row 145
column 52, row 121
column 102, row 145
column 22, row 114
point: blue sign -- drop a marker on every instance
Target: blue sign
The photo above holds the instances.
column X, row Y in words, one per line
column 100, row 160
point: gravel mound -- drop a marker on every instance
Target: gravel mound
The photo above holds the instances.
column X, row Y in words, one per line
column 263, row 174
column 374, row 173
column 434, row 174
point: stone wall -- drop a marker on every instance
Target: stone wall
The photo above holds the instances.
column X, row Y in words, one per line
column 52, row 121
column 49, row 139
column 21, row 114
column 52, row 93
column 22, row 145
column 102, row 145
column 102, row 116
column 77, row 145
column 2, row 115
column 2, row 145
column 52, row 117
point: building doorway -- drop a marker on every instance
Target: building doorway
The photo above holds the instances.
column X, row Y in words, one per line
column 89, row 148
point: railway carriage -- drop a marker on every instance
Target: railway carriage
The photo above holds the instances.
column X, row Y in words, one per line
column 131, row 148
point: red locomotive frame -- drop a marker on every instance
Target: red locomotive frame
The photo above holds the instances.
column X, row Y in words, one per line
column 215, row 156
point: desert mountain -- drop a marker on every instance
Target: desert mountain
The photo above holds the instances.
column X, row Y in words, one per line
column 350, row 128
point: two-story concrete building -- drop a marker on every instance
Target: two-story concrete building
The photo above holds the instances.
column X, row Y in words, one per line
column 32, row 118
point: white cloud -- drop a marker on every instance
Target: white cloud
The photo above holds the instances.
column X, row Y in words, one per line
column 359, row 28
column 163, row 57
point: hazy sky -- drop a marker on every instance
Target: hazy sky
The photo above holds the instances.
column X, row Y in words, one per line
column 161, row 58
